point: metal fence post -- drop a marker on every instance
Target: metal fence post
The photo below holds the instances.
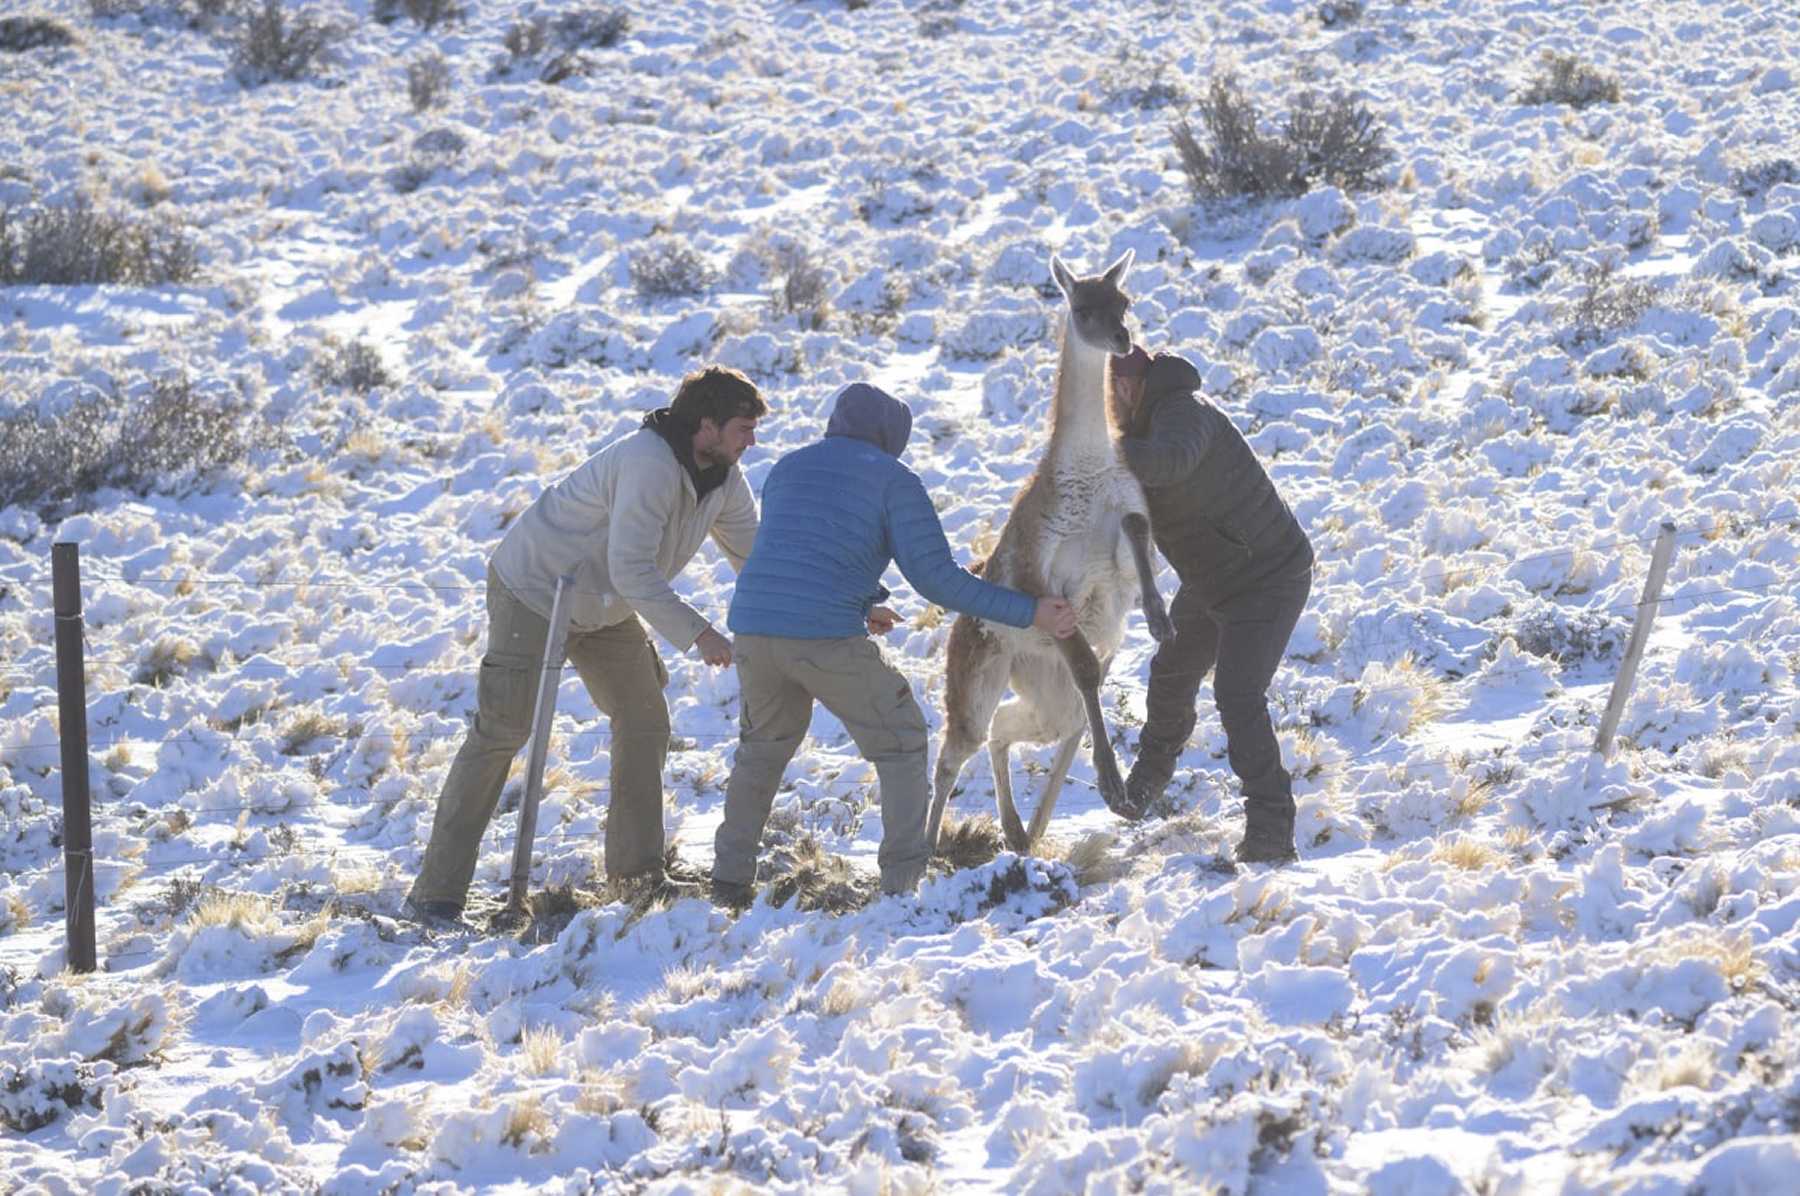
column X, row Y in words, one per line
column 71, row 695
column 1640, row 633
column 543, row 712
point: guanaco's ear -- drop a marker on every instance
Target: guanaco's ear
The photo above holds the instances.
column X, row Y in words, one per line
column 1064, row 280
column 1115, row 273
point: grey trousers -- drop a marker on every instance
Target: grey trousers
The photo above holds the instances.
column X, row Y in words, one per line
column 1244, row 639
column 624, row 676
column 779, row 680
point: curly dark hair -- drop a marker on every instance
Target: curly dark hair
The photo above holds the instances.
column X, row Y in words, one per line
column 718, row 393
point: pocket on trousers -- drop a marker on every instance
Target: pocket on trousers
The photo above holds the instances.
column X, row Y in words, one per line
column 506, row 695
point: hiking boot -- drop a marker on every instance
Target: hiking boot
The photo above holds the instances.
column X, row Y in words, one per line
column 1150, row 775
column 732, row 895
column 1268, row 833
column 434, row 915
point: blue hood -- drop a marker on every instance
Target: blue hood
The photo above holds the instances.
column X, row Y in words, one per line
column 870, row 414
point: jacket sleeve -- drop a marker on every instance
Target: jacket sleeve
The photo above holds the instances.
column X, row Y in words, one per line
column 1178, row 439
column 734, row 530
column 924, row 559
column 643, row 507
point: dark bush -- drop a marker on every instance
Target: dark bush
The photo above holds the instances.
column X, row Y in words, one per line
column 1565, row 79
column 79, row 245
column 19, row 34
column 1754, row 180
column 938, row 18
column 276, row 46
column 592, row 29
column 356, row 366
column 1604, row 305
column 426, row 14
column 1336, row 13
column 1333, row 139
column 165, row 438
column 802, row 290
column 669, row 270
column 427, row 81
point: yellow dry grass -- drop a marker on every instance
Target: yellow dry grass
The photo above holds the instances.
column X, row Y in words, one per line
column 1469, row 855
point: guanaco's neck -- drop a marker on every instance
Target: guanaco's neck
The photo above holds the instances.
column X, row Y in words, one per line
column 1078, row 421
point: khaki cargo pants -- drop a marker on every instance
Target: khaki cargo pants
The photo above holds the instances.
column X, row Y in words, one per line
column 625, row 677
column 779, row 680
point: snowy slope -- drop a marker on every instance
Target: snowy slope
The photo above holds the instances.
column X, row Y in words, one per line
column 1502, row 965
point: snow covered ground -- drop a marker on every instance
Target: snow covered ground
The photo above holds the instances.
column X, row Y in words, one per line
column 1502, row 965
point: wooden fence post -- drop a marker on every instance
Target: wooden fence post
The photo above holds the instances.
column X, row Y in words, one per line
column 71, row 695
column 1640, row 633
column 543, row 712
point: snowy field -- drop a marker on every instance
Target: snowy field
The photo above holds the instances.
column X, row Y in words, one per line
column 1502, row 965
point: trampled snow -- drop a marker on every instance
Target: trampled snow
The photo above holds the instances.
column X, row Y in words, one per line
column 1503, row 964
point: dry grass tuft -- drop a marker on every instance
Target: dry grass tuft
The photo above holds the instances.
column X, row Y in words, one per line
column 602, row 1094
column 1469, row 855
column 240, row 911
column 541, row 1047
column 969, row 842
column 1092, row 859
column 816, row 880
column 528, row 1125
column 168, row 657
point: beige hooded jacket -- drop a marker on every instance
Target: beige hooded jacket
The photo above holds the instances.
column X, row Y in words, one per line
column 623, row 524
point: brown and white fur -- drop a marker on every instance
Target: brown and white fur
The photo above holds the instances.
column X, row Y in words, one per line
column 1077, row 530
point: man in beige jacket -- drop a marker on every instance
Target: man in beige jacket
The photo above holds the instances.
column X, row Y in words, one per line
column 623, row 524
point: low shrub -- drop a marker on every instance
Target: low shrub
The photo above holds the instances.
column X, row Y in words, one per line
column 669, row 270
column 80, row 245
column 165, row 438
column 276, row 45
column 1565, row 79
column 1323, row 139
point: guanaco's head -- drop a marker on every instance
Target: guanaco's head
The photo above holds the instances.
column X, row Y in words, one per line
column 1097, row 305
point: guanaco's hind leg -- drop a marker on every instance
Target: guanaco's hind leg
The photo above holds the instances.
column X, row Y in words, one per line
column 975, row 671
column 1156, row 615
column 1059, row 770
column 1087, row 670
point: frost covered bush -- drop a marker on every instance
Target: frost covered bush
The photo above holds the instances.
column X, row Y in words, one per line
column 162, row 438
column 276, row 45
column 1603, row 304
column 1759, row 177
column 802, row 290
column 355, row 366
column 669, row 270
column 427, row 79
column 1565, row 79
column 1333, row 139
column 426, row 14
column 570, row 33
column 35, row 1092
column 19, row 34
column 592, row 28
column 1544, row 628
column 80, row 245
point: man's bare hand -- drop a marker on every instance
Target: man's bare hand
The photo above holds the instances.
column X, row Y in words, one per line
column 883, row 620
column 715, row 649
column 1055, row 616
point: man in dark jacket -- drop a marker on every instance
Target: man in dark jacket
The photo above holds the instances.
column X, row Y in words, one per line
column 1245, row 567
column 834, row 514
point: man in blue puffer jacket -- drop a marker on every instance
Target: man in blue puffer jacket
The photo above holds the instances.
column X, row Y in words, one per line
column 833, row 515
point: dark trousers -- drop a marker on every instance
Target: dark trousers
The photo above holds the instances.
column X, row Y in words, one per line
column 1241, row 640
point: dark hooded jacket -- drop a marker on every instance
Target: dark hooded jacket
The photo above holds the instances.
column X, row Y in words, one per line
column 1214, row 513
column 834, row 515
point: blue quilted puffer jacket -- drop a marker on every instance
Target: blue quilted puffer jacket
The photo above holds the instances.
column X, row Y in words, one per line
column 834, row 514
